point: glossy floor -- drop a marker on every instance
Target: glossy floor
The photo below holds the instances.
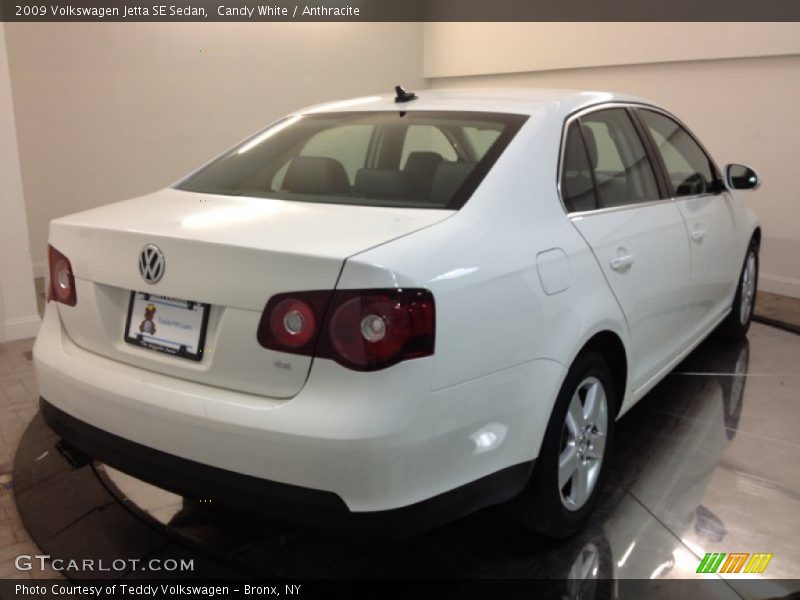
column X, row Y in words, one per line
column 707, row 462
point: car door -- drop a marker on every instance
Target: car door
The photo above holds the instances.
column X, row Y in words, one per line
column 707, row 210
column 638, row 237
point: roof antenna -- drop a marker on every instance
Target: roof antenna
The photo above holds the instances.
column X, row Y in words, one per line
column 402, row 95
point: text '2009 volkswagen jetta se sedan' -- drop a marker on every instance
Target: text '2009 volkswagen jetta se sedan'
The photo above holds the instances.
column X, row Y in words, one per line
column 392, row 311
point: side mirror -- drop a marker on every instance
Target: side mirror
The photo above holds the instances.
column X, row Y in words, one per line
column 740, row 177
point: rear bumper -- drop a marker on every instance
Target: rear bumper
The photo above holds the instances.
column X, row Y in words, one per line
column 350, row 442
column 303, row 506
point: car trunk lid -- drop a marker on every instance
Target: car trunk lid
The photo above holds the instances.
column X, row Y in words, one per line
column 231, row 253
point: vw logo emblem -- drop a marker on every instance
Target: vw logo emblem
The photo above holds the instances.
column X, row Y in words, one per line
column 152, row 263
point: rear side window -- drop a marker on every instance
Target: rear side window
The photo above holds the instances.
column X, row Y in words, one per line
column 623, row 174
column 414, row 159
column 689, row 168
column 577, row 185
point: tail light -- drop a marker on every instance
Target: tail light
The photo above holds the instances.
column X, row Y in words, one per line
column 364, row 330
column 292, row 322
column 62, row 281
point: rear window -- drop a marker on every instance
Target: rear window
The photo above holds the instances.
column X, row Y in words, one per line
column 414, row 159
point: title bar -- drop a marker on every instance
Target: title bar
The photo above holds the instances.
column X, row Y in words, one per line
column 401, row 10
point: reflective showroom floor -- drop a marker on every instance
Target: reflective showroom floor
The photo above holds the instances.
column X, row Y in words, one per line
column 707, row 462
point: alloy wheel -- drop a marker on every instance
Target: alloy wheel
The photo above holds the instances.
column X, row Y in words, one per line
column 583, row 443
column 581, row 580
column 748, row 288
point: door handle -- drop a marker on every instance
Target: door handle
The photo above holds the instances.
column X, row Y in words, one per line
column 622, row 260
column 698, row 235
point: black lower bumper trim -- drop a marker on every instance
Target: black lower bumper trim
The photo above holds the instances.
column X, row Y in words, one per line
column 299, row 505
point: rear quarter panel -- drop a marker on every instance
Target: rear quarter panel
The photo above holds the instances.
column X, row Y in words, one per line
column 492, row 312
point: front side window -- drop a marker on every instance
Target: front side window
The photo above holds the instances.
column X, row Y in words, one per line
column 414, row 159
column 622, row 171
column 427, row 138
column 480, row 138
column 689, row 169
column 348, row 144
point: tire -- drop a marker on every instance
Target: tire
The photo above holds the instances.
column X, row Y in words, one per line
column 543, row 507
column 736, row 324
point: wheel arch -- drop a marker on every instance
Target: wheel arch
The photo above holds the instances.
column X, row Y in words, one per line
column 756, row 237
column 610, row 346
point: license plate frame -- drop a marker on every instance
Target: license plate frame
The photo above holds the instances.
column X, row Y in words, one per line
column 180, row 317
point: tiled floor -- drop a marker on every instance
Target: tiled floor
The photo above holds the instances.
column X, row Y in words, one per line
column 18, row 405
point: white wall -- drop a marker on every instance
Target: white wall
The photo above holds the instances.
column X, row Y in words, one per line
column 107, row 111
column 735, row 84
column 458, row 49
column 18, row 315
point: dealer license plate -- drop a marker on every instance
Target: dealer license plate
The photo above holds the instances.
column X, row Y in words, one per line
column 169, row 325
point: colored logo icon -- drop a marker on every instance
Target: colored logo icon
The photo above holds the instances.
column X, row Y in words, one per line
column 736, row 562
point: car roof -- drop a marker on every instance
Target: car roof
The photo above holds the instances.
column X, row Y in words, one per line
column 526, row 101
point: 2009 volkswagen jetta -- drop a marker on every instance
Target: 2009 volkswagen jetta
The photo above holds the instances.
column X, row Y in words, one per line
column 388, row 312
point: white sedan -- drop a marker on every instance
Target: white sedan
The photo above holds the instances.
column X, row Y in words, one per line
column 384, row 313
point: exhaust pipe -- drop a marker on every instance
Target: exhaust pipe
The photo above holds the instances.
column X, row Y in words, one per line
column 72, row 455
